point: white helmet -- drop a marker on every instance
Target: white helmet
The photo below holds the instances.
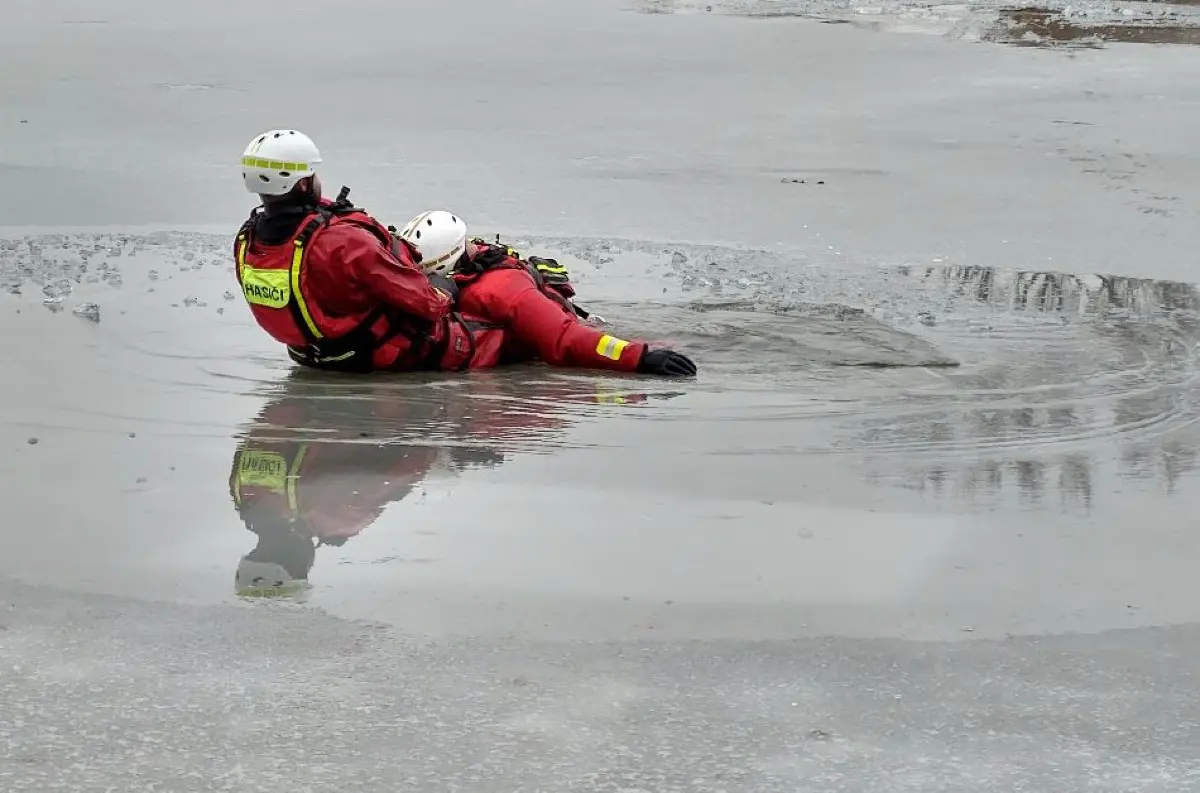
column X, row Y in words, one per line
column 267, row 580
column 275, row 161
column 440, row 237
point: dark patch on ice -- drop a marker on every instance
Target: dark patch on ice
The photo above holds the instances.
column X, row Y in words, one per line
column 88, row 311
column 1042, row 27
column 1053, row 23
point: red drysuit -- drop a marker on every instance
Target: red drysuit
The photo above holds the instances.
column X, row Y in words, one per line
column 535, row 321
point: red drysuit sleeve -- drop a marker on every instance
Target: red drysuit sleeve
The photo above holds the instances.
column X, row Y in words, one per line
column 510, row 297
column 370, row 266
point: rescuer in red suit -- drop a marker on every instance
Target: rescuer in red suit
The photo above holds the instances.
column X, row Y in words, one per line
column 332, row 283
column 529, row 301
column 308, row 472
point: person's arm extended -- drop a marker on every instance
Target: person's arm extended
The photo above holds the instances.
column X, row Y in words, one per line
column 377, row 271
column 543, row 324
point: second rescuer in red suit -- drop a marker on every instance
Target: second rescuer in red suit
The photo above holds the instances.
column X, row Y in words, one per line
column 342, row 293
column 522, row 307
column 535, row 320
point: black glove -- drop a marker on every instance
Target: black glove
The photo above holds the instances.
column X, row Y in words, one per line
column 666, row 362
column 444, row 284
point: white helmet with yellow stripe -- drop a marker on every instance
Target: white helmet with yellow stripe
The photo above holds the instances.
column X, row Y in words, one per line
column 275, row 161
column 440, row 237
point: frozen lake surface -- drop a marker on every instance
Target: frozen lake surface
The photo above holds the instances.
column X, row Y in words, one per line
column 924, row 522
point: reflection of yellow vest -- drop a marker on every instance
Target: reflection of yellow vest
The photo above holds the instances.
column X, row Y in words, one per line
column 260, row 469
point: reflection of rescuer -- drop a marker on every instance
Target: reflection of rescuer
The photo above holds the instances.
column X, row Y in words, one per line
column 344, row 293
column 303, row 477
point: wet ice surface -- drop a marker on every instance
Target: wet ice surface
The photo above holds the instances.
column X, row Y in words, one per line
column 114, row 693
column 924, row 521
column 796, row 571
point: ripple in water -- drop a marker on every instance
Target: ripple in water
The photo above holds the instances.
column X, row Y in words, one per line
column 929, row 374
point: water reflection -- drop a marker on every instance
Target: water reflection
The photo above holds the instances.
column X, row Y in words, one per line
column 1071, row 374
column 326, row 455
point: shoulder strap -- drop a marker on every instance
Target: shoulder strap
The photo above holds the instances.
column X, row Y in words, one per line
column 248, row 224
